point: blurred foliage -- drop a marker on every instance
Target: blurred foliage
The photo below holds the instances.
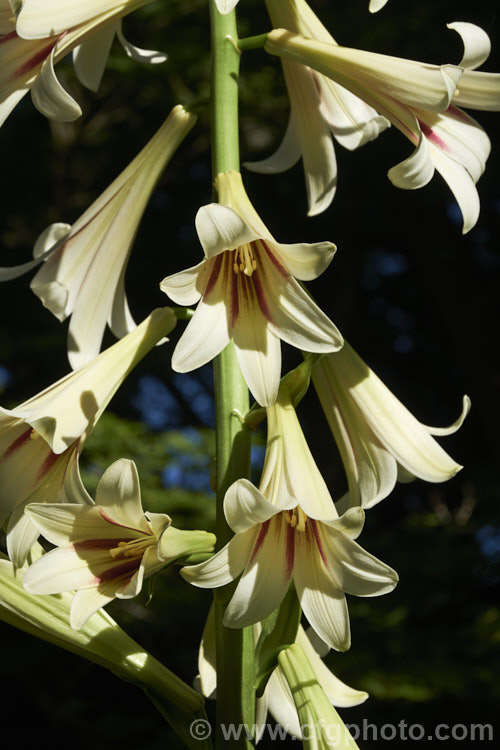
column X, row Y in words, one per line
column 416, row 299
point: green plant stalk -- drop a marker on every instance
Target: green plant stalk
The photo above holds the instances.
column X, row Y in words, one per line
column 234, row 647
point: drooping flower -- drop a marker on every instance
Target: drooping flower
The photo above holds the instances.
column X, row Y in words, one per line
column 100, row 640
column 248, row 293
column 319, row 109
column 108, row 549
column 272, row 547
column 379, row 440
column 84, row 265
column 44, row 33
column 277, row 698
column 419, row 99
column 41, row 439
column 322, row 727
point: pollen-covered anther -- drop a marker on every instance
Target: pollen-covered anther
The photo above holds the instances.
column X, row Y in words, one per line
column 244, row 260
column 132, row 548
column 296, row 518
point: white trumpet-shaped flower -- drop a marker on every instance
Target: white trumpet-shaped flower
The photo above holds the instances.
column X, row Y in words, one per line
column 277, row 698
column 319, row 109
column 84, row 265
column 247, row 293
column 419, row 99
column 288, row 530
column 41, row 439
column 43, row 33
column 106, row 550
column 379, row 440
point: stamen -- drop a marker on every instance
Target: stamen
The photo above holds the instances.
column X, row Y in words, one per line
column 296, row 518
column 244, row 260
column 132, row 548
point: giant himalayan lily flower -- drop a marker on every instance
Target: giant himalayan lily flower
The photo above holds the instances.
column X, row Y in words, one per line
column 277, row 698
column 43, row 33
column 289, row 529
column 41, row 439
column 248, row 293
column 106, row 550
column 100, row 640
column 419, row 99
column 319, row 108
column 84, row 265
column 379, row 440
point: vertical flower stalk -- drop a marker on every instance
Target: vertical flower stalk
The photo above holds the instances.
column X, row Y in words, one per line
column 235, row 698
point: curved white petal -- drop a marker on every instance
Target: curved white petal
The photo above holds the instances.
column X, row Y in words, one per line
column 220, row 228
column 359, row 572
column 285, row 157
column 21, row 536
column 266, row 577
column 41, row 18
column 245, row 506
column 120, row 318
column 466, row 406
column 206, row 335
column 52, row 99
column 64, row 569
column 62, row 523
column 259, row 355
column 376, row 5
column 90, row 57
column 186, row 287
column 461, row 185
column 320, row 596
column 225, row 565
column 304, row 260
column 136, row 53
column 86, row 602
column 477, row 45
column 118, row 496
column 225, row 6
column 296, row 319
column 478, row 90
column 415, row 171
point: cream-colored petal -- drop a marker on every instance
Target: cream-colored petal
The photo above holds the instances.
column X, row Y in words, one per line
column 90, row 57
column 225, row 565
column 478, row 90
column 21, row 536
column 186, row 287
column 118, row 497
column 64, row 569
column 415, row 171
column 206, row 335
column 359, row 572
column 321, row 598
column 376, row 5
column 461, row 185
column 266, row 577
column 149, row 56
column 477, row 45
column 86, row 603
column 41, row 18
column 52, row 99
column 466, row 406
column 226, row 6
column 285, row 157
column 221, row 228
column 245, row 506
column 62, row 523
column 304, row 260
column 259, row 355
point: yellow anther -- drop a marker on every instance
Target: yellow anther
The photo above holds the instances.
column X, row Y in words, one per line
column 296, row 518
column 244, row 260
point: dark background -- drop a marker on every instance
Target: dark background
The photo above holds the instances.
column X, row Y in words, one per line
column 416, row 298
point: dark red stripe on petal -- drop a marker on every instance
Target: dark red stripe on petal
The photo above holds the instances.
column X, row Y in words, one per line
column 7, row 37
column 264, row 528
column 19, row 442
column 234, row 298
column 261, row 295
column 112, row 521
column 289, row 549
column 90, row 544
column 37, row 59
column 432, row 136
column 272, row 257
column 317, row 537
column 122, row 572
column 214, row 274
column 47, row 465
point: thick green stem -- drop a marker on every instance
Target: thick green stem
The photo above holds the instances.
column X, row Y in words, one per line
column 234, row 648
